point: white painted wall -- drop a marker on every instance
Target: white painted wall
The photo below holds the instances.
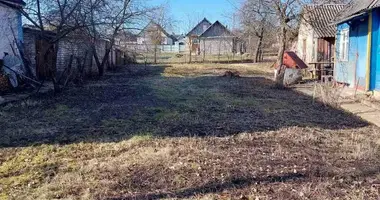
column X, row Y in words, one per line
column 10, row 19
column 306, row 33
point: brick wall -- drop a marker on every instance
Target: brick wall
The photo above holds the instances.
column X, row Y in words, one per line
column 30, row 50
column 78, row 47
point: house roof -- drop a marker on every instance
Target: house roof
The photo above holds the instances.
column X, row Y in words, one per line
column 193, row 31
column 217, row 23
column 13, row 3
column 356, row 8
column 159, row 28
column 320, row 17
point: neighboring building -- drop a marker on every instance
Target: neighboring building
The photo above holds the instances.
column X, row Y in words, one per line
column 192, row 38
column 10, row 26
column 358, row 45
column 33, row 50
column 125, row 38
column 76, row 45
column 316, row 39
column 154, row 33
column 211, row 39
column 217, row 39
column 180, row 39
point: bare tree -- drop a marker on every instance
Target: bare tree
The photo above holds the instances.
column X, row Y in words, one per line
column 257, row 23
column 57, row 16
column 106, row 19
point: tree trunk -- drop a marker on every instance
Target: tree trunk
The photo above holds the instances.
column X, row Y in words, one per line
column 190, row 48
column 99, row 64
column 204, row 50
column 97, row 61
column 155, row 54
column 281, row 50
column 280, row 69
column 258, row 50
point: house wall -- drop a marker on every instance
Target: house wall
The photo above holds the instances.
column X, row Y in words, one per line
column 307, row 44
column 78, row 48
column 10, row 30
column 353, row 70
column 363, row 66
column 344, row 69
column 216, row 46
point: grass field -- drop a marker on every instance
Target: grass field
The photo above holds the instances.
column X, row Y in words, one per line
column 185, row 132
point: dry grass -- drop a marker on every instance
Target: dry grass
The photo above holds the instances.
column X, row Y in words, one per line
column 186, row 70
column 190, row 134
column 181, row 58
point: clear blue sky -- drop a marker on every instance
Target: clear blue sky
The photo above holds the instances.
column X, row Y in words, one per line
column 186, row 12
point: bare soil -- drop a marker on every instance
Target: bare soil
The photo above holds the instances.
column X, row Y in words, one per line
column 185, row 132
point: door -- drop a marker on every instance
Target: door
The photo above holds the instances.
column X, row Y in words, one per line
column 45, row 59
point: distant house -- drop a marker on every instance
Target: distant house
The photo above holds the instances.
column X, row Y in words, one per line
column 10, row 26
column 217, row 39
column 154, row 33
column 316, row 39
column 358, row 45
column 125, row 38
column 192, row 38
column 180, row 39
column 211, row 39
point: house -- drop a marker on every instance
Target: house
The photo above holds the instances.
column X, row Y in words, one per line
column 358, row 39
column 154, row 34
column 217, row 39
column 180, row 39
column 211, row 39
column 316, row 39
column 11, row 26
column 192, row 38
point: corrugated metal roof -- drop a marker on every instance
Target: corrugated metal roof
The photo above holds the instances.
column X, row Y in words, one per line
column 197, row 30
column 320, row 17
column 356, row 8
column 219, row 34
column 16, row 2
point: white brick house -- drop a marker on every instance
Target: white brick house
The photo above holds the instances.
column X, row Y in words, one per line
column 10, row 26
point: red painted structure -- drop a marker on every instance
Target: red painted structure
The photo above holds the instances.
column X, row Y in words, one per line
column 291, row 60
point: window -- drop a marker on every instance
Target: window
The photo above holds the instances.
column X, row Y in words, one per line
column 344, row 45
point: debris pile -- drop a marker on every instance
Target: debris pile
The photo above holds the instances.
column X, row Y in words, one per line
column 232, row 74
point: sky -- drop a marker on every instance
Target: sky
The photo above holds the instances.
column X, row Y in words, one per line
column 185, row 14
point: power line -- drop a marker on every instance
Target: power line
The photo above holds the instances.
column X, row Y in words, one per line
column 232, row 4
